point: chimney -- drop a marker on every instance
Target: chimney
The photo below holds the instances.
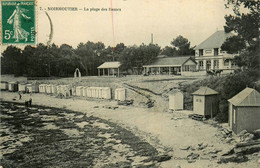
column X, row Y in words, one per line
column 152, row 38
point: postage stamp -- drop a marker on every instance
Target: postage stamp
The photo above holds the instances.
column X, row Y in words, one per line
column 18, row 22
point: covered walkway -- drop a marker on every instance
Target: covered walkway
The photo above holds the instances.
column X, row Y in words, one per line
column 170, row 65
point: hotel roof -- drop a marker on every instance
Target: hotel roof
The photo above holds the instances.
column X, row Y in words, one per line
column 214, row 41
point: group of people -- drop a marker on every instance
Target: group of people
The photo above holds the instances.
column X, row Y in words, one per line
column 214, row 72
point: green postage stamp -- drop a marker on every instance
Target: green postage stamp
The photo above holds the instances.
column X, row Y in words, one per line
column 18, row 22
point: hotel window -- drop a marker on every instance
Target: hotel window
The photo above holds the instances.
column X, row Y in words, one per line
column 233, row 64
column 208, row 64
column 226, row 62
column 216, row 64
column 215, row 51
column 200, row 64
column 200, row 52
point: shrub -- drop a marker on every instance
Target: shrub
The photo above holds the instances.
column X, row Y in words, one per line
column 222, row 116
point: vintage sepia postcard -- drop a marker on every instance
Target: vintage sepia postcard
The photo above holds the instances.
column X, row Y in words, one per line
column 130, row 83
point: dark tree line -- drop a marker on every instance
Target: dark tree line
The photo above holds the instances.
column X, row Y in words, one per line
column 61, row 61
column 39, row 61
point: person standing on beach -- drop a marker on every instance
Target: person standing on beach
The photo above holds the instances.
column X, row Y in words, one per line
column 30, row 102
column 26, row 104
column 20, row 96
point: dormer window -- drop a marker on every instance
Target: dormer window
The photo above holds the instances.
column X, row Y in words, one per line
column 200, row 52
column 215, row 51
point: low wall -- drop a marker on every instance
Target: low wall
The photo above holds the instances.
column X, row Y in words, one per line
column 199, row 73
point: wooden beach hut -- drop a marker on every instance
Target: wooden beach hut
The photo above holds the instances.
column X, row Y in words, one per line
column 205, row 102
column 12, row 86
column 79, row 91
column 22, row 87
column 99, row 92
column 66, row 90
column 94, row 92
column 84, row 91
column 59, row 89
column 89, row 92
column 32, row 88
column 106, row 93
column 48, row 89
column 53, row 89
column 42, row 88
column 244, row 111
column 4, row 85
column 176, row 100
column 120, row 94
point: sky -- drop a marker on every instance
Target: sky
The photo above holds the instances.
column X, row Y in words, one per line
column 133, row 24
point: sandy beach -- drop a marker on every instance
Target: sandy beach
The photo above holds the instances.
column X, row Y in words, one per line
column 168, row 132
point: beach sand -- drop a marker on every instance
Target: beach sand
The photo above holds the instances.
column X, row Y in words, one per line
column 169, row 132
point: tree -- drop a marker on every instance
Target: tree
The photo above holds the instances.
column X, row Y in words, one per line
column 12, row 61
column 135, row 57
column 127, row 59
column 90, row 55
column 68, row 60
column 31, row 60
column 119, row 48
column 113, row 53
column 54, row 64
column 149, row 53
column 117, row 51
column 233, row 45
column 40, row 60
column 182, row 46
column 50, row 60
column 109, row 54
column 169, row 51
column 245, row 42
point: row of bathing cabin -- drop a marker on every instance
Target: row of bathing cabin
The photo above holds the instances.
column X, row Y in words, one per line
column 66, row 90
